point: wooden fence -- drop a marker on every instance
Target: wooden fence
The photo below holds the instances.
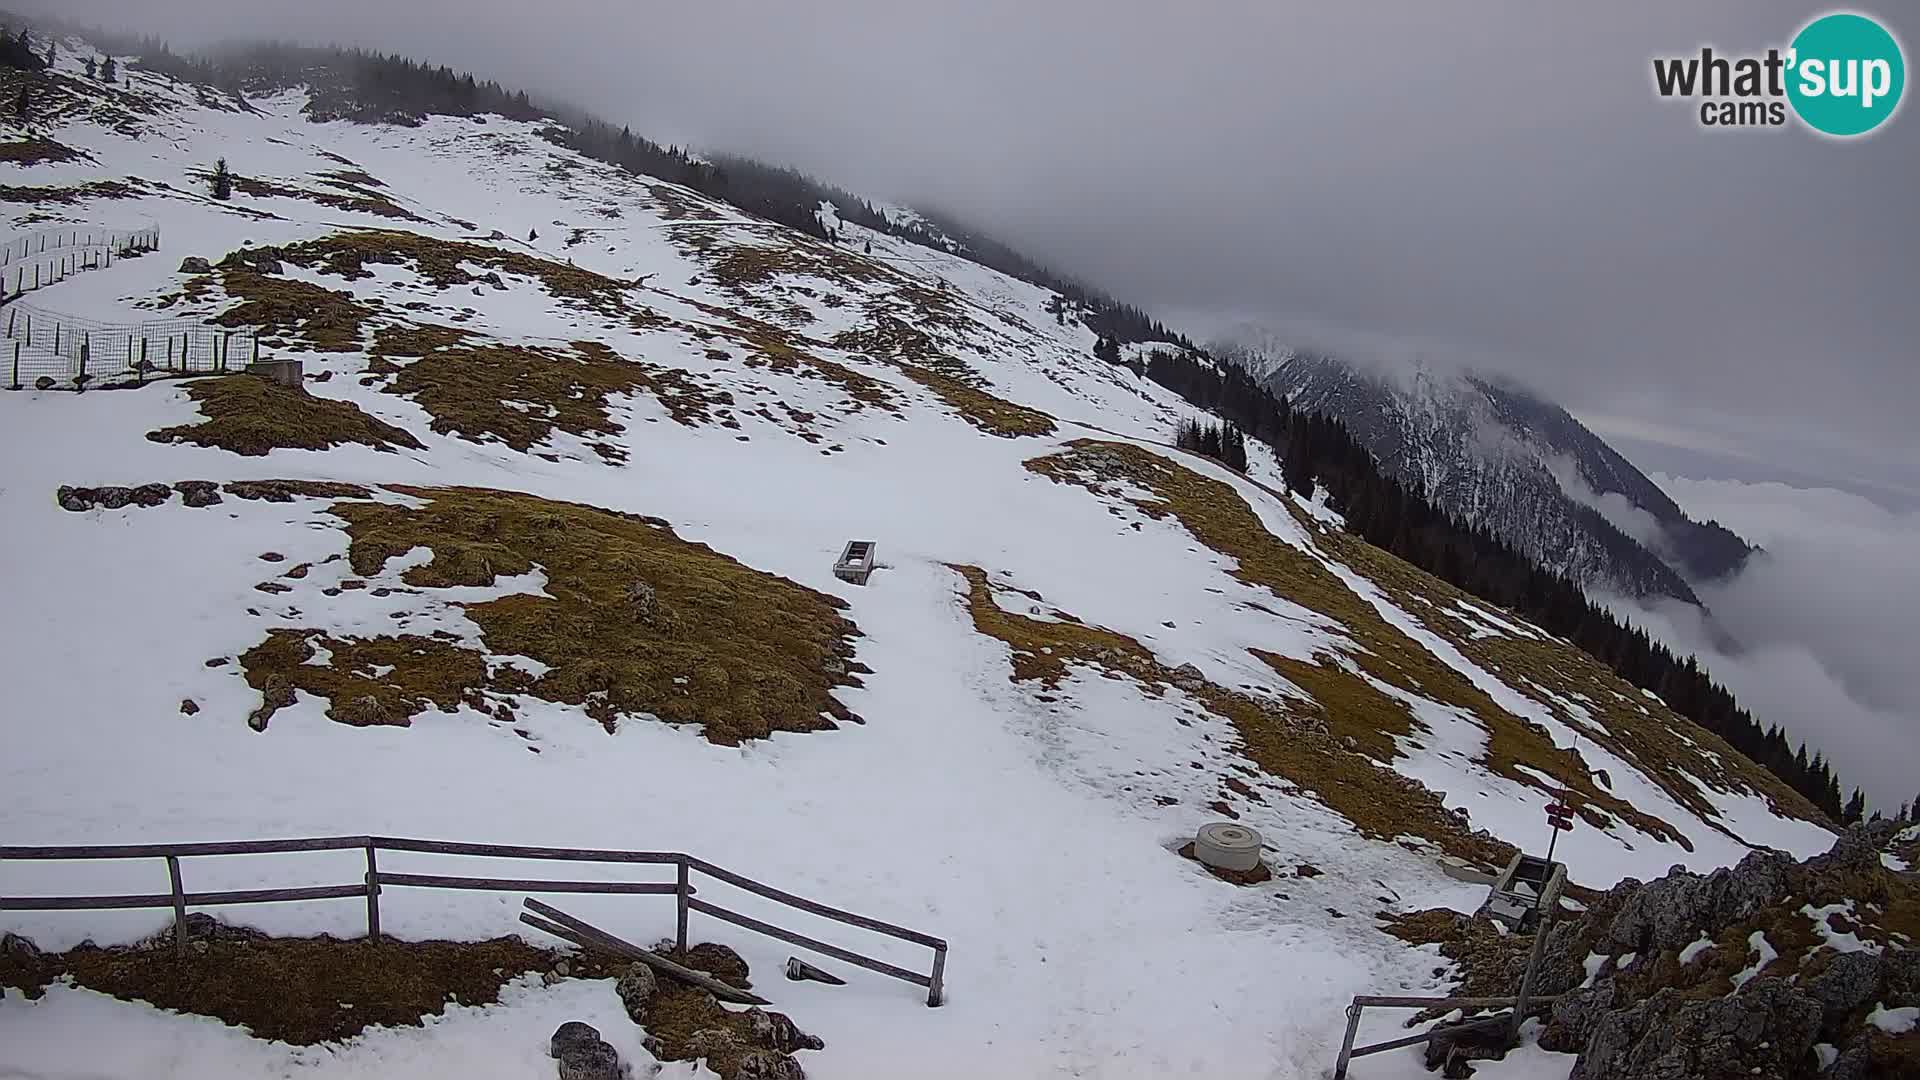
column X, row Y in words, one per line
column 375, row 880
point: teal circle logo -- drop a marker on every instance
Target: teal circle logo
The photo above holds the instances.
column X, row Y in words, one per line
column 1846, row 74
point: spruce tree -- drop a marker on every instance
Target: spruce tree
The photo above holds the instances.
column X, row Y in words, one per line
column 222, row 181
column 109, row 71
column 93, row 68
column 1856, row 809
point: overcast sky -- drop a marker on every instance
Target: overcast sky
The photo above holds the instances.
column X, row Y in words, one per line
column 1499, row 179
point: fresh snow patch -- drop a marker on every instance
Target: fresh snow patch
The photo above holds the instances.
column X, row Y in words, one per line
column 1894, row 1021
column 1694, row 949
column 1765, row 954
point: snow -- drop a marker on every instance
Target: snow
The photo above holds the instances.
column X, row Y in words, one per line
column 1834, row 939
column 1894, row 1021
column 1028, row 830
column 1763, row 953
column 1694, row 949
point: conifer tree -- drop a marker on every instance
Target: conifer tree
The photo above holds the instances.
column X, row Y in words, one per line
column 93, row 68
column 222, row 181
column 109, row 71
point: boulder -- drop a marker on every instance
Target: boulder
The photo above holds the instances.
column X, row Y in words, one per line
column 636, row 989
column 1850, row 981
column 1576, row 1016
column 571, row 1035
column 194, row 264
column 44, row 382
column 1674, row 911
column 198, row 492
column 591, row 1061
column 768, row 1065
column 111, row 498
column 778, row 1031
column 20, row 950
column 720, row 962
column 1188, row 677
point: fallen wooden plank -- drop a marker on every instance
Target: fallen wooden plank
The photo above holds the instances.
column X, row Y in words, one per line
column 798, row 969
column 601, row 939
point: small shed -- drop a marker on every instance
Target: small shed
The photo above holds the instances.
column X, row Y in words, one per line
column 856, row 562
column 1528, row 886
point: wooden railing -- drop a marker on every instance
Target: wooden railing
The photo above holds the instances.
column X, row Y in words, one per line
column 375, row 880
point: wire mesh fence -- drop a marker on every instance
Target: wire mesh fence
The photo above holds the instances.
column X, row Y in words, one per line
column 48, row 350
column 36, row 260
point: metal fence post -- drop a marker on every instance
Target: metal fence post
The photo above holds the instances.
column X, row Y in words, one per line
column 680, row 936
column 16, row 366
column 81, row 382
column 373, row 898
column 179, row 908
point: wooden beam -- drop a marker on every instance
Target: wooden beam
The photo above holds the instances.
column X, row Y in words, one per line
column 821, row 910
column 806, row 942
column 440, row 881
column 596, row 937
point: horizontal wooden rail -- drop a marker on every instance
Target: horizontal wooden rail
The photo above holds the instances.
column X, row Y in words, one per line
column 375, row 880
column 441, row 881
column 510, row 851
column 160, row 900
column 1433, row 1033
column 1362, row 1002
column 161, row 851
column 821, row 910
column 805, row 942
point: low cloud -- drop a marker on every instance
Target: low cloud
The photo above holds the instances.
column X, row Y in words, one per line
column 1827, row 617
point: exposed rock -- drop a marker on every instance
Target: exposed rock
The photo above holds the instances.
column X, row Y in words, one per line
column 1850, row 981
column 79, row 499
column 778, row 1031
column 198, row 492
column 188, row 707
column 709, row 1042
column 768, row 1065
column 641, row 595
column 720, row 962
column 1673, row 911
column 260, row 260
column 44, row 382
column 636, row 988
column 593, row 1061
column 1767, row 1029
column 1190, row 678
column 570, row 1035
column 1900, row 979
column 1576, row 1016
column 201, row 928
column 194, row 264
column 19, row 949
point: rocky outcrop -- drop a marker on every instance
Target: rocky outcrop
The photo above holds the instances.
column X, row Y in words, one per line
column 1766, row 1029
column 1781, row 958
column 80, row 499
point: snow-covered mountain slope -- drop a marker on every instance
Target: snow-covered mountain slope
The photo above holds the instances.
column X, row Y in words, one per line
column 1499, row 456
column 543, row 556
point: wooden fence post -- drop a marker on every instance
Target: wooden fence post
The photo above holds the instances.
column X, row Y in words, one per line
column 179, row 908
column 81, row 382
column 16, row 366
column 936, row 989
column 373, row 898
column 680, row 935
